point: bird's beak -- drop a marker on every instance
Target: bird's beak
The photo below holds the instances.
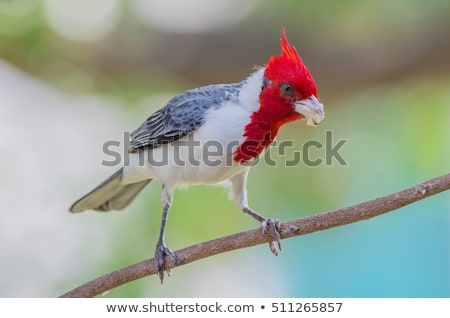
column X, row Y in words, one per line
column 311, row 109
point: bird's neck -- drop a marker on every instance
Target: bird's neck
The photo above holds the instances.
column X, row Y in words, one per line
column 259, row 133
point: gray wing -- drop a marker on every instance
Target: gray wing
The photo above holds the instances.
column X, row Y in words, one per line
column 182, row 115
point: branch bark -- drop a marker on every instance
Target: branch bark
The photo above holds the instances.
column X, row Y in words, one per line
column 306, row 225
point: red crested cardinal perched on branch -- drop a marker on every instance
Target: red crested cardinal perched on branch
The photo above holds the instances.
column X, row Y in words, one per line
column 209, row 135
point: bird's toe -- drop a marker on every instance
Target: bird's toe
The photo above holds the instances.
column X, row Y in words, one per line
column 162, row 251
column 271, row 228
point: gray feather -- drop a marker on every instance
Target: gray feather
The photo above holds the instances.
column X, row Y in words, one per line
column 109, row 195
column 182, row 115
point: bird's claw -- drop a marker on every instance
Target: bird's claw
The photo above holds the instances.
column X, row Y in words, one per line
column 271, row 228
column 162, row 251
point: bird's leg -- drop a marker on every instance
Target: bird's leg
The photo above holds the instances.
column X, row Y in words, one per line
column 161, row 249
column 269, row 227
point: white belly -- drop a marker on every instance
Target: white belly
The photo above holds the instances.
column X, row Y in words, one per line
column 203, row 157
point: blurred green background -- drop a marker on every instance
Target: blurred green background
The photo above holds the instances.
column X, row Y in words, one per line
column 75, row 74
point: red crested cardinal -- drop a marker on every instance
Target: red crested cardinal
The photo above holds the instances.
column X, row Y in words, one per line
column 211, row 135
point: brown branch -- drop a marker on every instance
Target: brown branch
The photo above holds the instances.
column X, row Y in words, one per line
column 310, row 224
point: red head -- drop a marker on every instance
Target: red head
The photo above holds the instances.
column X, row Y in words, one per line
column 288, row 93
column 289, row 68
column 289, row 89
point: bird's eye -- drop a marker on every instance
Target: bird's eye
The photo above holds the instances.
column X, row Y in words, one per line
column 286, row 89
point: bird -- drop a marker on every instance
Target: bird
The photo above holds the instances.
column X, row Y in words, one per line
column 212, row 135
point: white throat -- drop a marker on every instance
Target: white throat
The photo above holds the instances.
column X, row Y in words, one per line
column 249, row 94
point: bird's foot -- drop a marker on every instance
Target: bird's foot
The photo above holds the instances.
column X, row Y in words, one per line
column 271, row 228
column 162, row 251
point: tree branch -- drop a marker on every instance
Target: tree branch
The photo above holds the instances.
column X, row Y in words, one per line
column 306, row 225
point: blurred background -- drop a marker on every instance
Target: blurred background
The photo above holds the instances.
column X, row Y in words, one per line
column 76, row 73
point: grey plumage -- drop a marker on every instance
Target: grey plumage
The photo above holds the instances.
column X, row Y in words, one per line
column 109, row 195
column 183, row 114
